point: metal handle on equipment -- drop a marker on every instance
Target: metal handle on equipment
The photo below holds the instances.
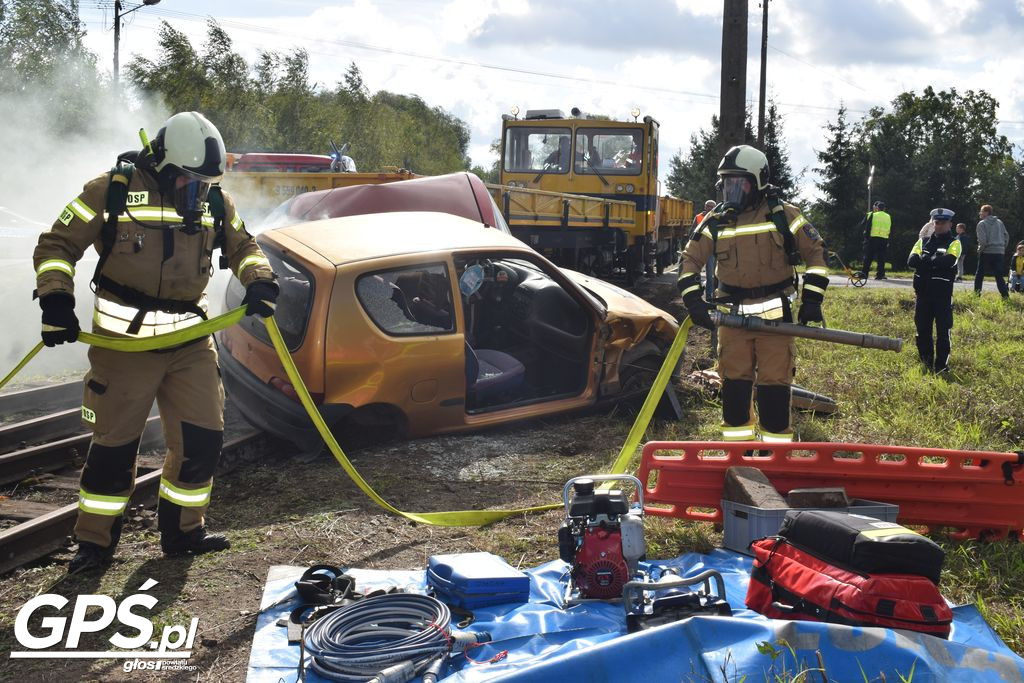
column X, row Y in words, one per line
column 605, row 477
column 639, row 587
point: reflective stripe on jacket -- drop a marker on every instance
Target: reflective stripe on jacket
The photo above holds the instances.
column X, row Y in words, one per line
column 750, row 253
column 151, row 253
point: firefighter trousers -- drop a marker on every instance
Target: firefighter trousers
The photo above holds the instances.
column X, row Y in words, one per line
column 767, row 361
column 119, row 391
column 937, row 311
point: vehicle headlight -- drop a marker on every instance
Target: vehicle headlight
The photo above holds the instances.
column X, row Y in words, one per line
column 630, row 188
column 618, row 188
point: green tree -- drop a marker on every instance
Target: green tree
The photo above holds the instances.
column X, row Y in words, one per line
column 46, row 62
column 177, row 75
column 271, row 105
column 353, row 82
column 694, row 176
column 776, row 150
column 841, row 204
column 934, row 149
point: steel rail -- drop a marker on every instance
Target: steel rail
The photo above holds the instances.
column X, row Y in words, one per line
column 40, row 429
column 54, row 455
column 43, row 535
column 43, row 429
column 49, row 398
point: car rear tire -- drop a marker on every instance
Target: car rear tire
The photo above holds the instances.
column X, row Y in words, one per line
column 635, row 380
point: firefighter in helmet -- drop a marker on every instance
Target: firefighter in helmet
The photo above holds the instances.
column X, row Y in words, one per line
column 757, row 240
column 155, row 220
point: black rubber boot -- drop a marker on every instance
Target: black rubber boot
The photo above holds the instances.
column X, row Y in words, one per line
column 91, row 556
column 196, row 542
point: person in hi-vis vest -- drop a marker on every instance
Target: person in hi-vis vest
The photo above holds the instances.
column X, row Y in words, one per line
column 877, row 225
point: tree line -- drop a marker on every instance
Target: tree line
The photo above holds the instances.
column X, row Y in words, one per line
column 270, row 105
column 928, row 150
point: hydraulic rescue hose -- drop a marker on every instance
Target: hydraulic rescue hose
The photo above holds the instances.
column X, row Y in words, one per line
column 386, row 639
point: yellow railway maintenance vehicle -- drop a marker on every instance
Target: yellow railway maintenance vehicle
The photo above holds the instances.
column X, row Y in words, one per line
column 584, row 191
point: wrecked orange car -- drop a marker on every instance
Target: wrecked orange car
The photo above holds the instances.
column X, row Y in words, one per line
column 425, row 322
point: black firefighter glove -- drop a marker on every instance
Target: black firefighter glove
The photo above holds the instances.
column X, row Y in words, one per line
column 697, row 309
column 59, row 321
column 261, row 298
column 810, row 312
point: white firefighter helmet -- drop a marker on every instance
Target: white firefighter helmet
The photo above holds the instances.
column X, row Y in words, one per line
column 190, row 145
column 742, row 176
column 744, row 159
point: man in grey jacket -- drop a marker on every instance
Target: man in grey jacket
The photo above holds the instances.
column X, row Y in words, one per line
column 992, row 240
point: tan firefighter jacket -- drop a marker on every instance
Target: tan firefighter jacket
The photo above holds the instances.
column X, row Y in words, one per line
column 151, row 254
column 751, row 262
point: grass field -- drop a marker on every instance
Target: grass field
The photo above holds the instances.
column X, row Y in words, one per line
column 887, row 398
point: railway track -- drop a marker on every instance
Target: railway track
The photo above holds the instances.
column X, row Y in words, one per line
column 42, row 450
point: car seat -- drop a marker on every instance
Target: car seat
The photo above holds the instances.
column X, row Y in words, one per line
column 490, row 373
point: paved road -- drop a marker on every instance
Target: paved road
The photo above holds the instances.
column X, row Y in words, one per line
column 989, row 285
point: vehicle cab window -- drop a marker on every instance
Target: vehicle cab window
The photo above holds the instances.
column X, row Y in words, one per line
column 609, row 151
column 535, row 149
column 409, row 301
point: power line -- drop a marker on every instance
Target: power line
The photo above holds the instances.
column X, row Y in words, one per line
column 188, row 16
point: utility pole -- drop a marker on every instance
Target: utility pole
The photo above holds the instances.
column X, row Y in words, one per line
column 732, row 112
column 764, row 74
column 118, row 14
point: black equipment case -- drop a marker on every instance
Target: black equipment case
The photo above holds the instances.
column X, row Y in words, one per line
column 863, row 543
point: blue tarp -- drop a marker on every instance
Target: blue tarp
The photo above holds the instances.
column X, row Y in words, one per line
column 589, row 642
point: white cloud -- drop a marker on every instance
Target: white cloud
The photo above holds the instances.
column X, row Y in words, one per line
column 659, row 55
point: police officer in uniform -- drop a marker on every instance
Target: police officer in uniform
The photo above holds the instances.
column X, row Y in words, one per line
column 933, row 260
column 877, row 226
column 756, row 239
column 155, row 262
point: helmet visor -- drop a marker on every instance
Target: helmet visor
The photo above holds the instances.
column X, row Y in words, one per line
column 190, row 196
column 736, row 189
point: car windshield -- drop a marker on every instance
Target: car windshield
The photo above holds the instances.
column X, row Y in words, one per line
column 533, row 149
column 293, row 303
column 609, row 151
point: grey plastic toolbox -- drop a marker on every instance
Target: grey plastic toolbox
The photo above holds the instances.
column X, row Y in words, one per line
column 745, row 523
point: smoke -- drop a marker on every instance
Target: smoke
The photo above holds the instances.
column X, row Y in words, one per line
column 40, row 172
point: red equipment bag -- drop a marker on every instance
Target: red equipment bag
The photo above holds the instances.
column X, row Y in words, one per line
column 788, row 582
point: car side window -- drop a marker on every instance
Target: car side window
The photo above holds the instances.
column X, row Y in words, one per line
column 409, row 301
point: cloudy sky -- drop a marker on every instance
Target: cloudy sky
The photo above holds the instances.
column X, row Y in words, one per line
column 478, row 58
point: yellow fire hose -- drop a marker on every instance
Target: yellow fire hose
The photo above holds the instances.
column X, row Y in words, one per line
column 452, row 518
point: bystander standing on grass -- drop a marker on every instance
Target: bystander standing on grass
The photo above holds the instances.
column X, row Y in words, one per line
column 992, row 241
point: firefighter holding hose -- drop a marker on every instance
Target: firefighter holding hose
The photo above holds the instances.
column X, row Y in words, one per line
column 757, row 240
column 155, row 220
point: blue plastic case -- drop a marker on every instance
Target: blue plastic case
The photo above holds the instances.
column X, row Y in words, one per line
column 471, row 580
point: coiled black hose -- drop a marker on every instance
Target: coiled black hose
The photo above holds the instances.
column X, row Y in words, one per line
column 385, row 639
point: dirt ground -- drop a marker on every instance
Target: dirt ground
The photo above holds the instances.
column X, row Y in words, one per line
column 280, row 510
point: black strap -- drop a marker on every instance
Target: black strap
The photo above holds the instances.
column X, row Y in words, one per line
column 735, row 294
column 777, row 214
column 117, row 201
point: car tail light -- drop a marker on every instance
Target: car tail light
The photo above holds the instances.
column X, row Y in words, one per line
column 286, row 388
